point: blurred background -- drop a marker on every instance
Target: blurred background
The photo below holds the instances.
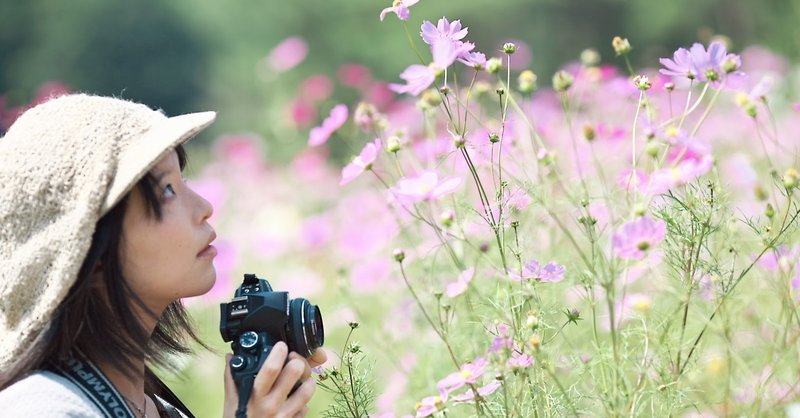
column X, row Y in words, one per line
column 274, row 69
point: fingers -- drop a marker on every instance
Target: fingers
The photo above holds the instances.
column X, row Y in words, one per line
column 319, row 358
column 270, row 370
column 301, row 397
column 306, row 370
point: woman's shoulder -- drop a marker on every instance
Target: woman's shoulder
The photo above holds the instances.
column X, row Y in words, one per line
column 46, row 394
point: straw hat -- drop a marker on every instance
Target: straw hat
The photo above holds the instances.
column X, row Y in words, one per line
column 63, row 165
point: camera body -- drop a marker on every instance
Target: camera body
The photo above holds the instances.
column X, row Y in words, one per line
column 258, row 317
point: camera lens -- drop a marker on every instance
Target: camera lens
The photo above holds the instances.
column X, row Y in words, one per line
column 305, row 333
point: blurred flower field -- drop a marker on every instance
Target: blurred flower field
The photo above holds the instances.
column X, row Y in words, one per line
column 602, row 241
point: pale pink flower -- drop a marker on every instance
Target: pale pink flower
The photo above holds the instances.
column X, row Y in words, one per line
column 637, row 237
column 316, row 88
column 483, row 391
column 469, row 374
column 430, row 405
column 461, row 284
column 418, row 78
column 632, row 304
column 400, row 8
column 796, row 107
column 362, row 162
column 519, row 360
column 320, row 134
column 287, row 54
column 371, row 275
column 354, row 75
column 426, row 186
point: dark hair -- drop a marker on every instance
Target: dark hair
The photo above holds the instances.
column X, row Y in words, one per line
column 97, row 319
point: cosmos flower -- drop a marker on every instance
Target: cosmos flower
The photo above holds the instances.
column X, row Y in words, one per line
column 637, row 237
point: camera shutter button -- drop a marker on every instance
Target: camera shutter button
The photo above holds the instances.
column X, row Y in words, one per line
column 237, row 362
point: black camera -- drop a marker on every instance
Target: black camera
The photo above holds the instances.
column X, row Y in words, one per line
column 258, row 317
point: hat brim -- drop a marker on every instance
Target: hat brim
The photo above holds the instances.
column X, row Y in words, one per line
column 149, row 149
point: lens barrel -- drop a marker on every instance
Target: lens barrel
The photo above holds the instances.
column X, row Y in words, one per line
column 306, row 332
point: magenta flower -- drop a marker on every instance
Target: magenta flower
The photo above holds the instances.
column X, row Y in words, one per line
column 550, row 273
column 361, row 163
column 461, row 284
column 426, row 186
column 469, row 395
column 637, row 237
column 287, row 54
column 320, row 134
column 469, row 374
column 400, row 8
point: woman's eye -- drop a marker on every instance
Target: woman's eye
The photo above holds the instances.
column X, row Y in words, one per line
column 169, row 191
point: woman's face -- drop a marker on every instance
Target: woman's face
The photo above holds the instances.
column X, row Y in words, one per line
column 164, row 260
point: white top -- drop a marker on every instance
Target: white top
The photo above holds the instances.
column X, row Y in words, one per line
column 47, row 395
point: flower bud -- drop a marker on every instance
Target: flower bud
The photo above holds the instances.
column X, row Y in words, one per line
column 590, row 57
column 535, row 341
column 446, row 218
column 459, row 141
column 790, row 178
column 731, row 63
column 639, row 209
column 509, row 48
column 444, row 90
column 652, row 149
column 494, row 138
column 526, row 82
column 760, row 193
column 399, row 255
column 484, row 247
column 364, row 115
column 353, row 325
column 431, row 98
column 621, row 46
column 562, row 81
column 589, row 132
column 533, row 321
column 642, row 82
column 669, row 86
column 393, row 144
column 480, row 88
column 770, row 211
column 493, row 65
column 500, row 91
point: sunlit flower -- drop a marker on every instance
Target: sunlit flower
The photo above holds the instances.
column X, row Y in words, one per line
column 320, row 134
column 637, row 237
column 430, row 405
column 443, row 30
column 426, row 186
column 361, row 163
column 711, row 64
column 400, row 8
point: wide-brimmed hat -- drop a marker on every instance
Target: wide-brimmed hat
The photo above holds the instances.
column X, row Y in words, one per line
column 63, row 165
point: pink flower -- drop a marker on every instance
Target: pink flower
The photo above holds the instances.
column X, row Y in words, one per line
column 519, row 360
column 461, row 284
column 469, row 395
column 444, row 30
column 710, row 65
column 361, row 163
column 632, row 304
column 469, row 374
column 316, row 88
column 418, row 78
column 637, row 237
column 430, row 405
column 400, row 8
column 476, row 60
column 796, row 107
column 354, row 75
column 550, row 273
column 287, row 54
column 320, row 134
column 426, row 186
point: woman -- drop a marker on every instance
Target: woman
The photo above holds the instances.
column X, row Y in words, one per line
column 100, row 238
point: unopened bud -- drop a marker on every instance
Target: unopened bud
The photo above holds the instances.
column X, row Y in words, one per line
column 484, row 247
column 652, row 149
column 639, row 209
column 444, row 90
column 770, row 211
column 509, row 48
column 790, row 178
column 399, row 255
column 535, row 341
column 494, row 138
column 500, row 91
column 459, row 141
column 393, row 144
column 590, row 57
column 533, row 321
column 589, row 132
column 669, row 86
column 431, row 98
column 731, row 63
column 353, row 325
column 642, row 82
column 446, row 218
column 493, row 65
column 480, row 88
column 562, row 81
column 760, row 193
column 515, row 224
column 621, row 46
column 526, row 82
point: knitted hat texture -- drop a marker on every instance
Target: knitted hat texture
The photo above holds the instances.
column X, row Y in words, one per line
column 63, row 165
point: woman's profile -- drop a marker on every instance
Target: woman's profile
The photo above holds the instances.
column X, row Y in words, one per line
column 100, row 238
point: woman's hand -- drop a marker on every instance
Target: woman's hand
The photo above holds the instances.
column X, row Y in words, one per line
column 270, row 396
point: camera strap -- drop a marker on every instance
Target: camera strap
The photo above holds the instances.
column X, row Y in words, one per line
column 95, row 385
